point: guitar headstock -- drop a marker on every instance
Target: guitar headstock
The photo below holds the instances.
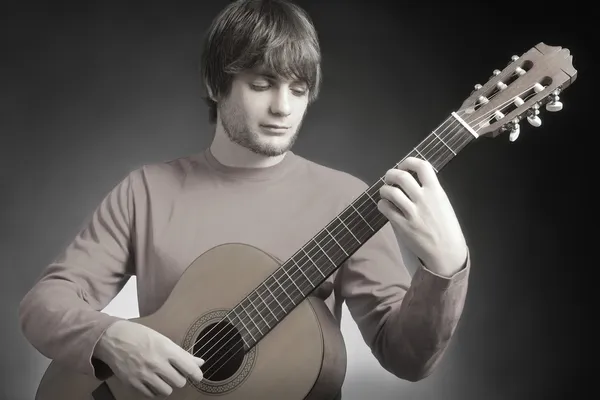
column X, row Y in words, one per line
column 520, row 90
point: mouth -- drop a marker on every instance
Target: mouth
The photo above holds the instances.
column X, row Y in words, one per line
column 273, row 128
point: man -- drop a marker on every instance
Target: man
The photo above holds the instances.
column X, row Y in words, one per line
column 261, row 67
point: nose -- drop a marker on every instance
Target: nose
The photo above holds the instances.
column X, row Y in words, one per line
column 280, row 103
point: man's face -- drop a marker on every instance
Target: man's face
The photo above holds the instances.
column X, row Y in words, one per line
column 264, row 113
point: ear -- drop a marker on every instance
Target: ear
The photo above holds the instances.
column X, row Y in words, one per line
column 211, row 95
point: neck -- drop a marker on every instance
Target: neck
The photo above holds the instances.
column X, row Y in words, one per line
column 232, row 154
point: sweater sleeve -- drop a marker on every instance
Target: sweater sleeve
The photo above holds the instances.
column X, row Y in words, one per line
column 407, row 322
column 61, row 314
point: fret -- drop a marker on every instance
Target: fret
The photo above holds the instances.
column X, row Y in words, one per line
column 242, row 331
column 251, row 322
column 307, row 267
column 430, row 158
column 271, row 292
column 257, row 291
column 374, row 202
column 463, row 139
column 249, row 330
column 355, row 222
column 423, row 157
column 283, row 289
column 324, row 252
column 344, row 236
column 269, row 295
column 371, row 208
column 334, row 239
column 291, row 279
column 313, row 263
column 360, row 215
column 332, row 249
column 457, row 133
column 367, row 207
column 349, row 230
column 444, row 143
column 310, row 284
column 434, row 148
column 259, row 312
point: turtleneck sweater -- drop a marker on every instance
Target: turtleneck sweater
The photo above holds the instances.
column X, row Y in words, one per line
column 161, row 216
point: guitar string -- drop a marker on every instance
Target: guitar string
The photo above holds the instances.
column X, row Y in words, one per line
column 242, row 321
column 284, row 291
column 276, row 293
column 250, row 332
column 445, row 151
column 365, row 228
column 254, row 322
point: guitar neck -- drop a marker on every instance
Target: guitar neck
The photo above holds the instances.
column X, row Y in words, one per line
column 322, row 255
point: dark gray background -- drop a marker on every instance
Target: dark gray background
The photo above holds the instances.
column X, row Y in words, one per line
column 89, row 91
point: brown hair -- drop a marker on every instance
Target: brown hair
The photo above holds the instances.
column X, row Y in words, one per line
column 275, row 34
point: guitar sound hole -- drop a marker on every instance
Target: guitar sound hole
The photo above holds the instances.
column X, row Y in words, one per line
column 221, row 347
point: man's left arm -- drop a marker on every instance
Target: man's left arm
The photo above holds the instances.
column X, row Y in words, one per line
column 407, row 322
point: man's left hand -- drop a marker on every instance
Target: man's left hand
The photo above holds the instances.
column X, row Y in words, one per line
column 422, row 216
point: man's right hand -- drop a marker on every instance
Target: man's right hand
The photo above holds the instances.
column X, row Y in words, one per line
column 147, row 360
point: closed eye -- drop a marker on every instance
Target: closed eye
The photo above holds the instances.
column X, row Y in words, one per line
column 299, row 92
column 259, row 87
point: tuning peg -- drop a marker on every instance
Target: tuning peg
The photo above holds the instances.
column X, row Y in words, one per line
column 554, row 105
column 515, row 129
column 476, row 88
column 533, row 118
column 514, row 58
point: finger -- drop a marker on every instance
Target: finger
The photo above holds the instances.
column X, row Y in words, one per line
column 405, row 181
column 390, row 212
column 143, row 388
column 425, row 172
column 199, row 362
column 398, row 199
column 172, row 376
column 157, row 385
column 188, row 365
column 198, row 374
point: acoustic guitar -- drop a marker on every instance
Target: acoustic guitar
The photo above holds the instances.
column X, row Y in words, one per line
column 255, row 320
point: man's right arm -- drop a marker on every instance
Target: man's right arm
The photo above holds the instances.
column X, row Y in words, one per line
column 61, row 314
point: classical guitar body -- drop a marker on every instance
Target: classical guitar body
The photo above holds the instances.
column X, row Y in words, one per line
column 302, row 357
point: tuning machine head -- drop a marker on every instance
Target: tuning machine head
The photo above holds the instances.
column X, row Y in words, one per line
column 514, row 129
column 518, row 91
column 532, row 116
column 554, row 104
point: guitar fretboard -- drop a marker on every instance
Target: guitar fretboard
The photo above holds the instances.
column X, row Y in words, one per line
column 296, row 278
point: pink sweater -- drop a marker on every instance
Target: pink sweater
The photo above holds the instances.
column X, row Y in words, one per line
column 162, row 216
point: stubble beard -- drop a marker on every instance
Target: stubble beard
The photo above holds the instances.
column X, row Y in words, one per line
column 238, row 132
